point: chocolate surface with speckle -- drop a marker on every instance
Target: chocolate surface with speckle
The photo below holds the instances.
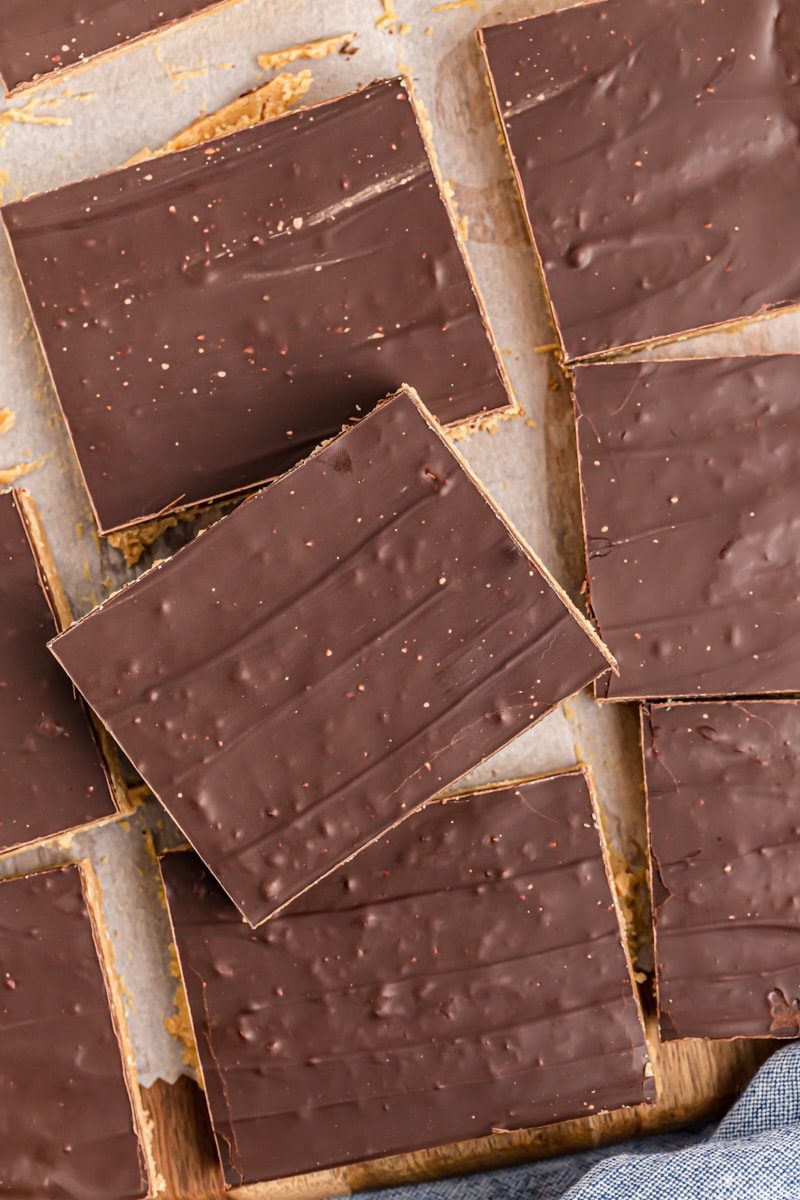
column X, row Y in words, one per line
column 211, row 316
column 329, row 656
column 462, row 975
column 724, row 811
column 50, row 35
column 66, row 1124
column 51, row 774
column 654, row 143
column 690, row 473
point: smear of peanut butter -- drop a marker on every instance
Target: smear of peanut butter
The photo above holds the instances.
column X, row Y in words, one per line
column 319, row 49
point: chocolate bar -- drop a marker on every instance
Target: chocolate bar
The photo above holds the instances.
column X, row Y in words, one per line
column 653, row 145
column 52, row 772
column 463, row 975
column 38, row 40
column 211, row 316
column 66, row 1122
column 724, row 815
column 690, row 473
column 330, row 655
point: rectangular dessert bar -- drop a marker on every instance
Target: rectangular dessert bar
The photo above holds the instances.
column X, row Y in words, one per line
column 724, row 812
column 210, row 316
column 67, row 1128
column 53, row 777
column 330, row 655
column 49, row 37
column 653, row 142
column 463, row 975
column 690, row 473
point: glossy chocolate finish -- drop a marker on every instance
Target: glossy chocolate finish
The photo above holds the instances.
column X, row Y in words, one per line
column 462, row 975
column 212, row 316
column 66, row 1125
column 724, row 810
column 691, row 488
column 332, row 654
column 655, row 146
column 48, row 35
column 51, row 777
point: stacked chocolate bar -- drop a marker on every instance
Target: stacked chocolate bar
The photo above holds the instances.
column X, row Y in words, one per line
column 654, row 145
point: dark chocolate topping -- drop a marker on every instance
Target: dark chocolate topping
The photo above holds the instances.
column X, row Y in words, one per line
column 327, row 657
column 655, row 142
column 461, row 975
column 691, row 487
column 48, row 35
column 52, row 777
column 724, row 809
column 211, row 316
column 66, row 1126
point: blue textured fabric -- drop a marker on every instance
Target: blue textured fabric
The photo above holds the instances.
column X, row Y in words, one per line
column 753, row 1154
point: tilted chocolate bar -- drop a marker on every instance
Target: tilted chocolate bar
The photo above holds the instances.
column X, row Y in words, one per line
column 724, row 811
column 52, row 774
column 41, row 39
column 691, row 488
column 211, row 316
column 329, row 656
column 654, row 146
column 66, row 1122
column 462, row 975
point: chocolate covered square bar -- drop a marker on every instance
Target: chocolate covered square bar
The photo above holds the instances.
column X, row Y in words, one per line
column 53, row 776
column 724, row 814
column 210, row 316
column 654, row 145
column 690, row 474
column 68, row 1124
column 343, row 646
column 463, row 975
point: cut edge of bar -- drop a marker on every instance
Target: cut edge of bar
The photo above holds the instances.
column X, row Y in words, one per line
column 104, row 945
column 651, row 1059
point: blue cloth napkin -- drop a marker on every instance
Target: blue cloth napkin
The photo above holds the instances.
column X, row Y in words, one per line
column 753, row 1154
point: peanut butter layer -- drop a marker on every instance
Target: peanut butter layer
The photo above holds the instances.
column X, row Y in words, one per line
column 330, row 655
column 66, row 1123
column 462, row 975
column 211, row 316
column 52, row 774
column 724, row 814
column 654, row 144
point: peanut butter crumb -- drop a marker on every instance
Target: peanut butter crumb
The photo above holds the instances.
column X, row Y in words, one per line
column 273, row 99
column 30, row 114
column 390, row 21
column 319, row 49
column 12, row 474
column 133, row 542
column 7, row 419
